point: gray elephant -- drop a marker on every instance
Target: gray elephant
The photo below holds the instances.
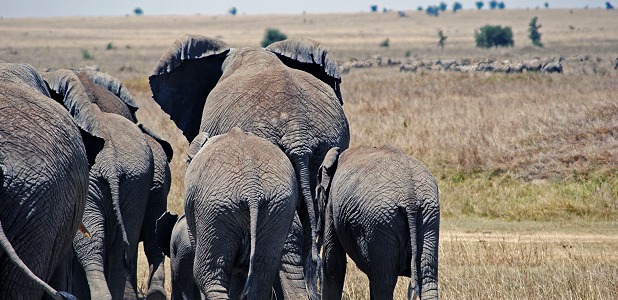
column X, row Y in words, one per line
column 240, row 199
column 381, row 209
column 43, row 185
column 110, row 96
column 173, row 236
column 287, row 93
column 118, row 193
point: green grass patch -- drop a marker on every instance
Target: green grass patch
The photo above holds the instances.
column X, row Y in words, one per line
column 498, row 196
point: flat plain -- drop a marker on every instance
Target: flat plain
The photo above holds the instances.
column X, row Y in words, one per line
column 527, row 163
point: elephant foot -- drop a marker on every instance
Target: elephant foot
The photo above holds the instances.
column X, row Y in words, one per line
column 156, row 294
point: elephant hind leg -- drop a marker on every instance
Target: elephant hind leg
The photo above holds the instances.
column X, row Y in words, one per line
column 334, row 261
column 382, row 287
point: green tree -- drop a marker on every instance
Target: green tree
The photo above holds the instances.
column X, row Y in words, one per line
column 138, row 11
column 479, row 4
column 501, row 5
column 493, row 4
column 233, row 10
column 442, row 6
column 457, row 6
column 272, row 35
column 534, row 34
column 494, row 36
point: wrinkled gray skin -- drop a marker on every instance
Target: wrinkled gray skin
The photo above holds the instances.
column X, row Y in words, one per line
column 240, row 199
column 43, row 185
column 173, row 234
column 287, row 93
column 118, row 192
column 111, row 97
column 382, row 210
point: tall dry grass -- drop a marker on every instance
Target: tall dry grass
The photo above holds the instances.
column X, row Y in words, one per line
column 513, row 147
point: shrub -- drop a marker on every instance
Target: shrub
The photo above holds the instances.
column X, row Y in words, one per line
column 442, row 6
column 494, row 36
column 501, row 5
column 534, row 34
column 385, row 43
column 272, row 35
column 110, row 46
column 374, row 8
column 232, row 10
column 86, row 55
column 479, row 4
column 138, row 11
column 493, row 4
column 420, row 8
column 608, row 5
column 433, row 10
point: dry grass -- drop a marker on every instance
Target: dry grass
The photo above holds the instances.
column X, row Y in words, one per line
column 520, row 148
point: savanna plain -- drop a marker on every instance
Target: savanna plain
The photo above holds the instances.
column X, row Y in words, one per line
column 527, row 163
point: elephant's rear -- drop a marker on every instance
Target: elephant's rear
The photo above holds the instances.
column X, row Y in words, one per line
column 44, row 184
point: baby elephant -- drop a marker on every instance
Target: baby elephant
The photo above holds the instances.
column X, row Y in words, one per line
column 240, row 199
column 173, row 237
column 380, row 207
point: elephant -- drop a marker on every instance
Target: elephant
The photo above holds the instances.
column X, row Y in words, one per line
column 173, row 237
column 241, row 194
column 44, row 164
column 381, row 208
column 120, row 182
column 288, row 93
column 110, row 96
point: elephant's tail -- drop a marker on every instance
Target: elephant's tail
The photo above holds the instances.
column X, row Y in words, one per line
column 253, row 220
column 6, row 247
column 114, row 183
column 424, row 224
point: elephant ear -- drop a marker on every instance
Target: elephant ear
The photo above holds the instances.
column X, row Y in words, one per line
column 164, row 226
column 66, row 88
column 196, row 145
column 23, row 74
column 183, row 78
column 114, row 85
column 167, row 148
column 309, row 56
column 93, row 146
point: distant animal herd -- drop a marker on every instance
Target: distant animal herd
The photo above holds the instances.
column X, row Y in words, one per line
column 539, row 64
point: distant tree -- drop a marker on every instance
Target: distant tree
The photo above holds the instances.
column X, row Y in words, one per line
column 442, row 38
column 138, row 11
column 494, row 36
column 385, row 43
column 501, row 5
column 433, row 10
column 374, row 8
column 457, row 6
column 442, row 6
column 493, row 4
column 546, row 4
column 232, row 10
column 608, row 5
column 420, row 8
column 272, row 35
column 479, row 4
column 534, row 34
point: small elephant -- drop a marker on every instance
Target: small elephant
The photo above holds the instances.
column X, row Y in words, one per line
column 381, row 208
column 43, row 184
column 240, row 199
column 287, row 93
column 173, row 237
column 118, row 194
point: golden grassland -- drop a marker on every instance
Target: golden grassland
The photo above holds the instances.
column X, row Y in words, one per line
column 527, row 164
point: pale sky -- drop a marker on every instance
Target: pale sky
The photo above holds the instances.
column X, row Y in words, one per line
column 59, row 8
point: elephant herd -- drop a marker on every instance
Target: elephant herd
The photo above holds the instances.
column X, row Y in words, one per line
column 274, row 202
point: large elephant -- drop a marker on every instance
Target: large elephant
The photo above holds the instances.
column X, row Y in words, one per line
column 43, row 184
column 173, row 236
column 287, row 93
column 119, row 186
column 240, row 199
column 111, row 96
column 382, row 209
